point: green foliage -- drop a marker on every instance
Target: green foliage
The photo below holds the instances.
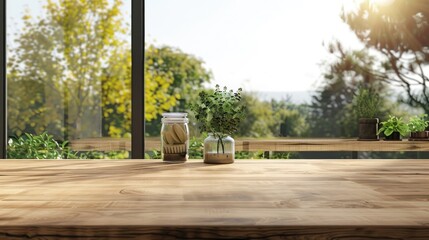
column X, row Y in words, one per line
column 330, row 110
column 196, row 147
column 366, row 103
column 259, row 119
column 393, row 124
column 398, row 32
column 219, row 112
column 60, row 59
column 249, row 155
column 69, row 66
column 104, row 155
column 398, row 26
column 273, row 118
column 281, row 155
column 418, row 123
column 333, row 112
column 187, row 72
column 290, row 120
column 116, row 96
column 157, row 83
column 155, row 154
column 263, row 155
column 42, row 146
column 180, row 77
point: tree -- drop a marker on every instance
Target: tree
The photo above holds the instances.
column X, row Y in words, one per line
column 70, row 73
column 158, row 97
column 400, row 32
column 259, row 117
column 116, row 95
column 185, row 75
column 332, row 113
column 187, row 71
column 66, row 54
column 272, row 118
column 290, row 120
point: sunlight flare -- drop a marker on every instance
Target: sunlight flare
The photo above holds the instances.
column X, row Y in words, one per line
column 382, row 2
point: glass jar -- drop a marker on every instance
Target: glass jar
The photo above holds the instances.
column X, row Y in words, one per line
column 174, row 137
column 219, row 150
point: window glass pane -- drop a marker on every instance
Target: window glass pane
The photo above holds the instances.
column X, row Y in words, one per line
column 69, row 78
column 301, row 64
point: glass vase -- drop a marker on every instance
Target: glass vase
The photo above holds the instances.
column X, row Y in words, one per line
column 219, row 150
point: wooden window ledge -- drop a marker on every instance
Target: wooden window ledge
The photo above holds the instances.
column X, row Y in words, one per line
column 278, row 144
column 262, row 199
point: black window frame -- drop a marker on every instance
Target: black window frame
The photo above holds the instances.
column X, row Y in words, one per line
column 2, row 79
column 137, row 79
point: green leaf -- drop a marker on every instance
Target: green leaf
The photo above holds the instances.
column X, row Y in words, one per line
column 209, row 117
column 388, row 132
column 218, row 111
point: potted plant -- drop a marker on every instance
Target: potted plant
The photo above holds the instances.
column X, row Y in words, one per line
column 393, row 128
column 366, row 104
column 219, row 113
column 417, row 126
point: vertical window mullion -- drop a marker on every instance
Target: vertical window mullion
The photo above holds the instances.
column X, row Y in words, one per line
column 137, row 78
column 2, row 79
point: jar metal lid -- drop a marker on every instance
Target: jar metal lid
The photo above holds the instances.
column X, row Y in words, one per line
column 175, row 115
column 174, row 120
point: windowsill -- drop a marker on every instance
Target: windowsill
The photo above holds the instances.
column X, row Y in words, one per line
column 127, row 198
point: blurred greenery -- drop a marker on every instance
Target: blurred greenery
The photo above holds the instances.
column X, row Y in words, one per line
column 67, row 69
column 196, row 147
column 187, row 75
column 332, row 110
column 42, row 146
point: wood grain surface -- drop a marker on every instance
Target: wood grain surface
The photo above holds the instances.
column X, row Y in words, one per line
column 281, row 144
column 250, row 199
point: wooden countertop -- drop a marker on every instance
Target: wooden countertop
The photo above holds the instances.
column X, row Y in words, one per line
column 263, row 199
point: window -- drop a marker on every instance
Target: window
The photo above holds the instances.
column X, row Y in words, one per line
column 316, row 59
column 300, row 64
column 68, row 71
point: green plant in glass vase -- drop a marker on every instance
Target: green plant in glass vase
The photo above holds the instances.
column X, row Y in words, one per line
column 219, row 113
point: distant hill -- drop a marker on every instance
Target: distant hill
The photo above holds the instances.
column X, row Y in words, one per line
column 297, row 97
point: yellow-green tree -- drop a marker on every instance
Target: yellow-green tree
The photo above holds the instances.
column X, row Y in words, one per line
column 65, row 54
column 70, row 73
column 173, row 79
column 158, row 97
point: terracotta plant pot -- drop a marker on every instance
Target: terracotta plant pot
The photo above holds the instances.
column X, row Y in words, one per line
column 368, row 128
column 395, row 136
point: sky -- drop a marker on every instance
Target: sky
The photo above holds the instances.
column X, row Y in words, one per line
column 260, row 45
column 16, row 9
